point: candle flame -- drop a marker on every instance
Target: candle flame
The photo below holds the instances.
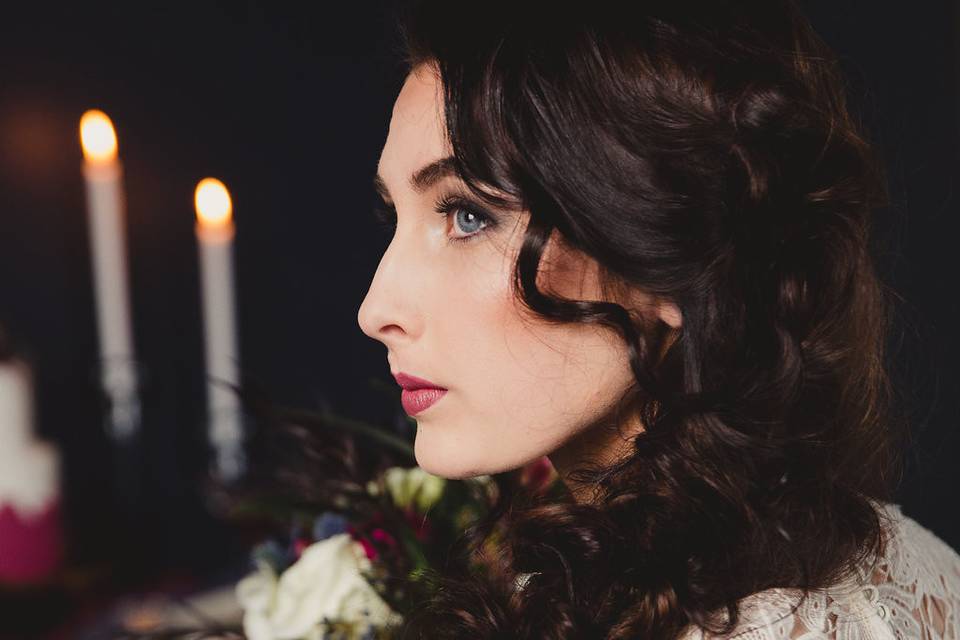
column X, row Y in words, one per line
column 97, row 137
column 212, row 200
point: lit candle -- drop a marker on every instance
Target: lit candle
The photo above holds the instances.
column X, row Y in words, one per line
column 215, row 233
column 105, row 208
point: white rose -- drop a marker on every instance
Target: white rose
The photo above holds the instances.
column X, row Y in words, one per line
column 326, row 582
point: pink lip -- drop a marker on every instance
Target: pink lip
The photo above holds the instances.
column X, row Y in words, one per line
column 409, row 382
column 418, row 394
column 416, row 400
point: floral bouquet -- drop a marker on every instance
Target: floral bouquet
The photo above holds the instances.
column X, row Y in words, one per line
column 362, row 526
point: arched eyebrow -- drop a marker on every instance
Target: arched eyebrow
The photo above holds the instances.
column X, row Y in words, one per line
column 422, row 179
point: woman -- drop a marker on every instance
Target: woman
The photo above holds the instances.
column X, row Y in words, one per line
column 651, row 263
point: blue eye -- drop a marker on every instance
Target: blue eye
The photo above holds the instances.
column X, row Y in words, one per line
column 467, row 216
column 471, row 220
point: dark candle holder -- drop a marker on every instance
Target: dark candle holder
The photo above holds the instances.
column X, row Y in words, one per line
column 120, row 387
column 226, row 434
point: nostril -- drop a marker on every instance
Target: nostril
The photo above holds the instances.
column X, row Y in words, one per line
column 391, row 329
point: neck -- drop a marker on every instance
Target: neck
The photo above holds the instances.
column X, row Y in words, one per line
column 600, row 445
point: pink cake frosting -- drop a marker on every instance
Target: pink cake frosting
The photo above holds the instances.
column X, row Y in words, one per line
column 31, row 547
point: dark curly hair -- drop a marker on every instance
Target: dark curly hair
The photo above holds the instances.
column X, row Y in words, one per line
column 701, row 151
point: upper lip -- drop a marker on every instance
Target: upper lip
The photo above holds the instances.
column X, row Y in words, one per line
column 410, row 382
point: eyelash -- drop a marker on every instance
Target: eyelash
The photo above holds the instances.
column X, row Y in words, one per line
column 450, row 203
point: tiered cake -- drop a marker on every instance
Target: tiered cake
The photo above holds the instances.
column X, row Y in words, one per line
column 31, row 540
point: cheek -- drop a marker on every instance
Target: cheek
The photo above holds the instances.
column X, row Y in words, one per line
column 520, row 388
column 562, row 378
column 521, row 380
column 473, row 322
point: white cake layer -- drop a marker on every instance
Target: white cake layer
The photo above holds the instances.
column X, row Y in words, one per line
column 29, row 477
column 16, row 406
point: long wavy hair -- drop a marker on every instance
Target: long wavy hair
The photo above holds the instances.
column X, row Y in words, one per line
column 701, row 151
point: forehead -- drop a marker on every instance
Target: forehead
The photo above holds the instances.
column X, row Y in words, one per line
column 416, row 134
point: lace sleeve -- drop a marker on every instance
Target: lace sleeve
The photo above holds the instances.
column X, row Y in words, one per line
column 913, row 593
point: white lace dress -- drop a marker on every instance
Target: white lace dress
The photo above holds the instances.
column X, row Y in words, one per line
column 912, row 594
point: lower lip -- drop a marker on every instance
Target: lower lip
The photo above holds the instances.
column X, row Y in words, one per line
column 416, row 400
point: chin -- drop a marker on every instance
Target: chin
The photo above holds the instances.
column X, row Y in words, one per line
column 455, row 462
column 446, row 461
column 448, row 469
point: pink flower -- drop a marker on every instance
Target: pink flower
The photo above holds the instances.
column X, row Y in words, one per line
column 382, row 536
column 368, row 548
column 419, row 523
column 538, row 475
column 299, row 545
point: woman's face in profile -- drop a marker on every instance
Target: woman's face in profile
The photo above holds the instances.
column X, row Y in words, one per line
column 442, row 303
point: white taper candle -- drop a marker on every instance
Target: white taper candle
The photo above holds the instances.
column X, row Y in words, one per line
column 103, row 177
column 215, row 232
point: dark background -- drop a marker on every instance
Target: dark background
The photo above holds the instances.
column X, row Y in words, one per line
column 288, row 104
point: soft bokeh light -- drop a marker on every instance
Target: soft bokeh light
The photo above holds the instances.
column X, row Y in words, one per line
column 212, row 200
column 97, row 137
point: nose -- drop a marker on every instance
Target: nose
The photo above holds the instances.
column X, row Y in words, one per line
column 390, row 311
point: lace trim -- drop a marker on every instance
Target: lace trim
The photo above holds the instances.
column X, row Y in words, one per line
column 912, row 593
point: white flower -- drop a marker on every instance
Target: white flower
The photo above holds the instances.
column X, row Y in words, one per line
column 326, row 582
column 407, row 485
